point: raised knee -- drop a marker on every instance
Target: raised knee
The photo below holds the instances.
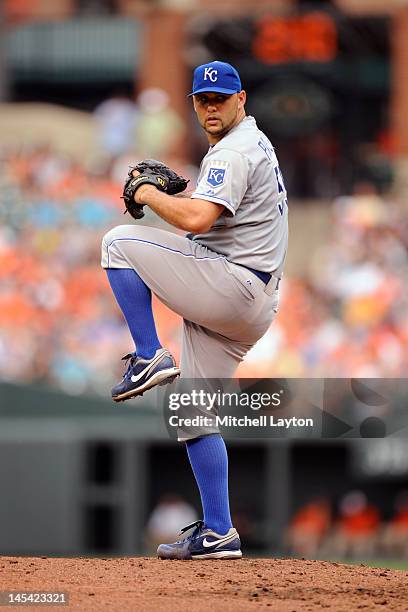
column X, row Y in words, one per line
column 120, row 231
column 112, row 257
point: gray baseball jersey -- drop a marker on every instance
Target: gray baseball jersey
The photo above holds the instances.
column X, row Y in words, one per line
column 242, row 173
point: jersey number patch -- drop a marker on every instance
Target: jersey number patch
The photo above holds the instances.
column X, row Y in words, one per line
column 281, row 188
column 279, row 179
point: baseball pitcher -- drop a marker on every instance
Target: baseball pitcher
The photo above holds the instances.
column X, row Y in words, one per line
column 222, row 278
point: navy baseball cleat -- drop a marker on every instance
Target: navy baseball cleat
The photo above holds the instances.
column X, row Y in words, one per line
column 143, row 374
column 203, row 543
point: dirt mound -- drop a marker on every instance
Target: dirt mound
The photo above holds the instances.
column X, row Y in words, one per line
column 129, row 584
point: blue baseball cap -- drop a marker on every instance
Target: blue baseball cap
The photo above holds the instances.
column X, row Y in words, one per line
column 217, row 77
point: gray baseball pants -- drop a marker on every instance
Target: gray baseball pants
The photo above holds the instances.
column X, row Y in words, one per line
column 225, row 307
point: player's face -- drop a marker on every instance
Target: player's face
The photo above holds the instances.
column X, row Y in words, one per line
column 218, row 113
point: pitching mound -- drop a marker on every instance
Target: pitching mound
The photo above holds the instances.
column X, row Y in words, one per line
column 129, row 584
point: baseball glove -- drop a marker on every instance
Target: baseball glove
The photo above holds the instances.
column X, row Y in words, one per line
column 154, row 173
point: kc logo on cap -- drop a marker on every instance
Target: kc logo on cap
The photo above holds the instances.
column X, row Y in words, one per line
column 217, row 77
column 211, row 73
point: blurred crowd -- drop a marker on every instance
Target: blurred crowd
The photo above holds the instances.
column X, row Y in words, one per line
column 348, row 316
column 60, row 325
column 352, row 529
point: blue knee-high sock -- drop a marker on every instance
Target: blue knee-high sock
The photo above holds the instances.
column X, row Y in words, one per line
column 209, row 460
column 135, row 301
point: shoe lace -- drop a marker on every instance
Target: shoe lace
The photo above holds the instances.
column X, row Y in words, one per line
column 130, row 360
column 196, row 526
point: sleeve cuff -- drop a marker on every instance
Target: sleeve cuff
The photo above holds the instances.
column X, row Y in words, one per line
column 210, row 198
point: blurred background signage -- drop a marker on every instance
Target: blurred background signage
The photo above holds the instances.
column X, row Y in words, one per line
column 311, row 37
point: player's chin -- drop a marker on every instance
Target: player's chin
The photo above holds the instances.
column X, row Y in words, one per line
column 214, row 129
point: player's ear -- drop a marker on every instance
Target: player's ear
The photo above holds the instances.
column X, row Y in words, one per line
column 241, row 98
column 194, row 103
